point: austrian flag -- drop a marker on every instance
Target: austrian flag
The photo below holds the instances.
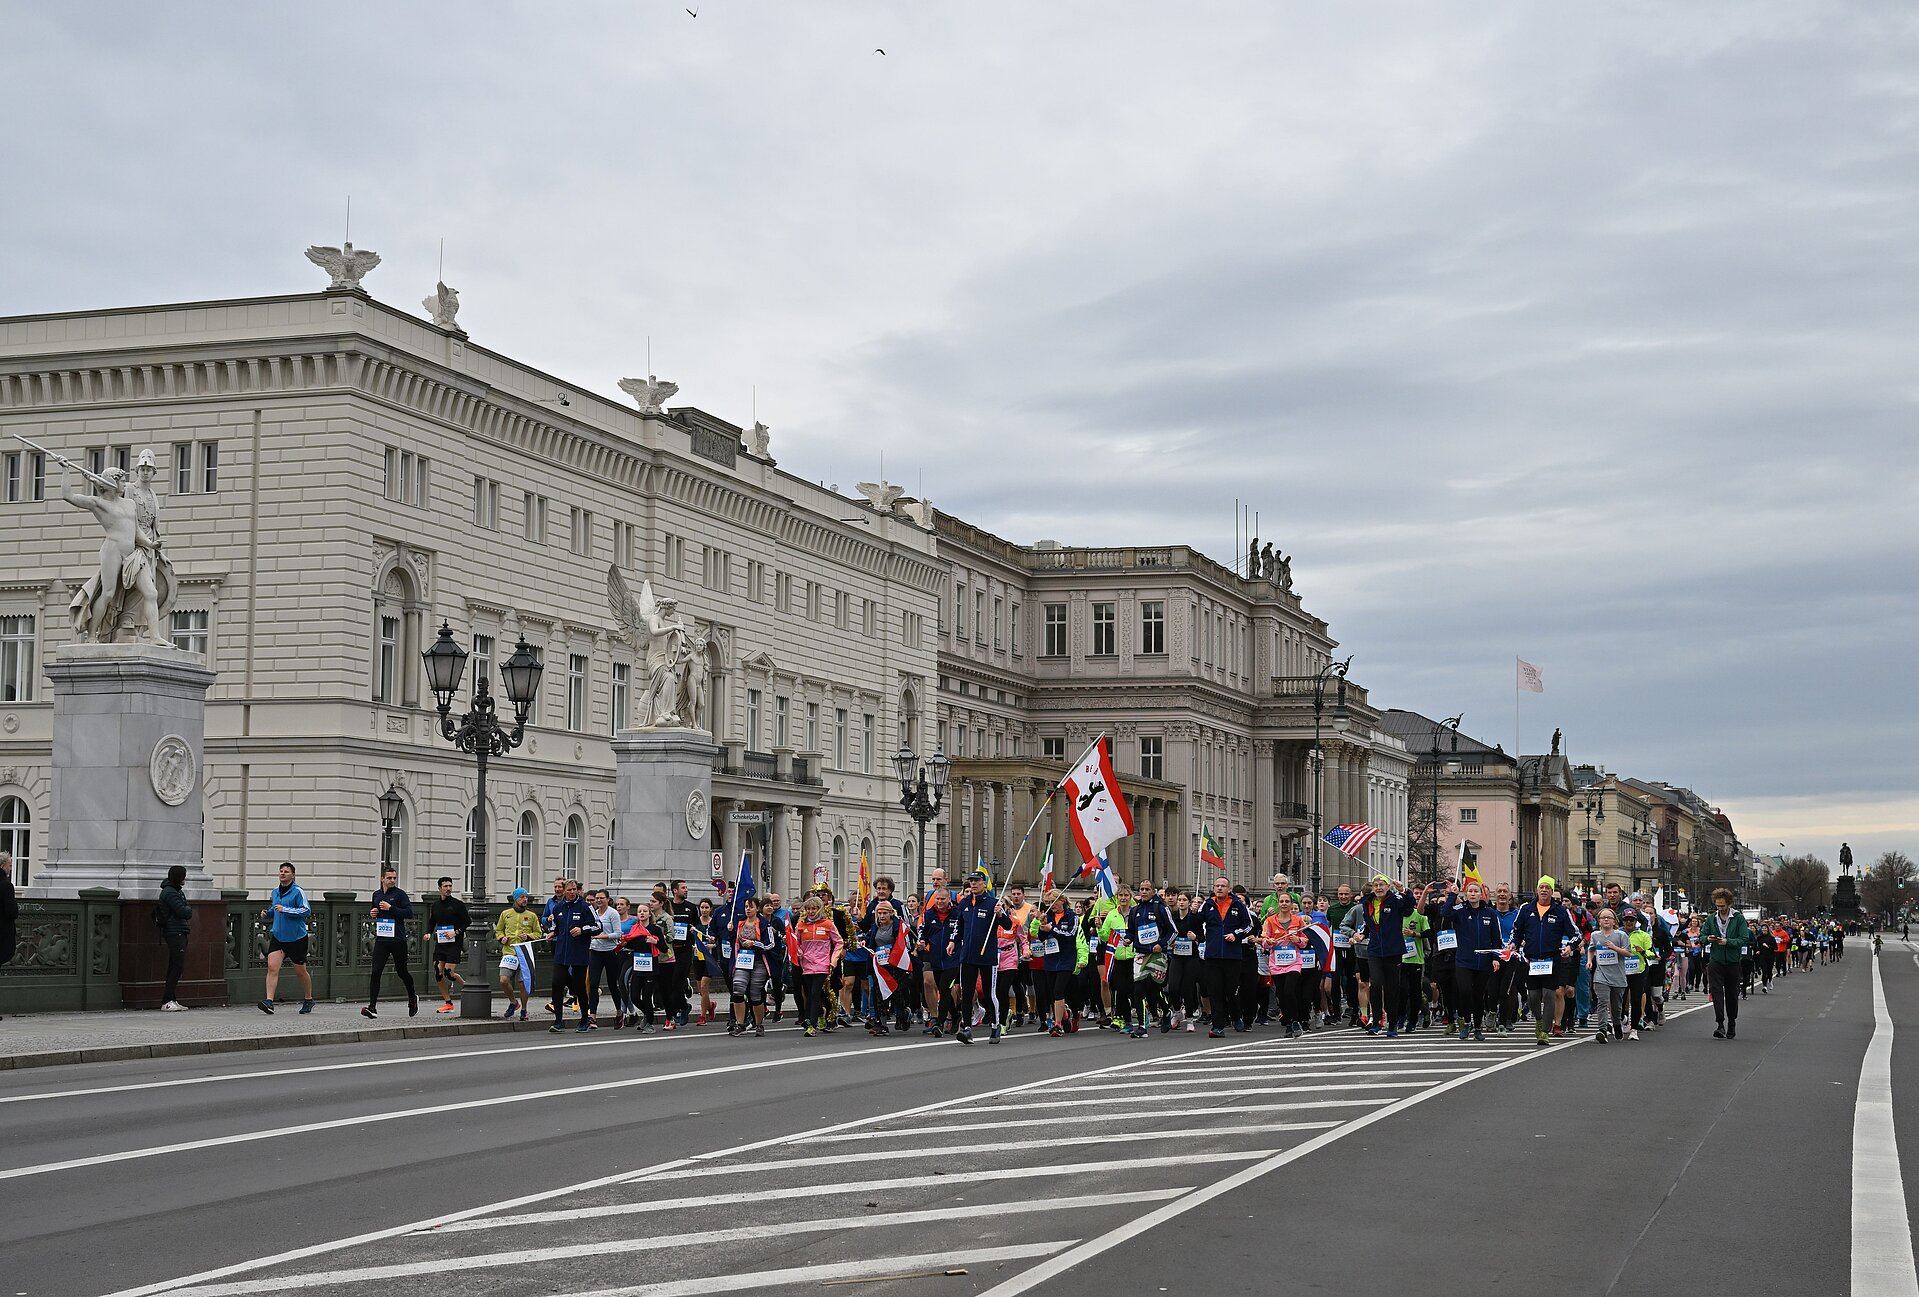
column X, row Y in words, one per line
column 890, row 964
column 1096, row 809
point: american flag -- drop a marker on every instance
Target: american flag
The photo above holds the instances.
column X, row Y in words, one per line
column 1351, row 839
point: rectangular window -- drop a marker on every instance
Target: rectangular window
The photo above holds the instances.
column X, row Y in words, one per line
column 210, row 469
column 869, row 618
column 576, row 692
column 623, row 543
column 1055, row 645
column 622, row 678
column 1015, row 630
column 1012, row 746
column 16, row 659
column 979, row 740
column 716, row 569
column 1104, row 618
column 580, row 531
column 123, row 458
column 813, row 590
column 1152, row 756
column 782, row 592
column 839, row 738
column 866, row 743
column 1052, row 749
column 14, row 467
column 486, row 503
column 779, row 721
column 1152, row 627
column 97, row 459
column 386, row 684
column 483, row 662
column 26, row 476
column 979, row 616
column 843, row 610
column 959, row 612
column 999, row 606
column 533, row 712
column 1590, row 850
column 962, row 742
column 942, row 736
column 189, row 630
column 533, row 517
column 812, row 727
column 183, row 467
column 753, row 719
column 755, row 580
column 1469, row 815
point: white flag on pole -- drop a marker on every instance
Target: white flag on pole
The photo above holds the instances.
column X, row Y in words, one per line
column 1528, row 678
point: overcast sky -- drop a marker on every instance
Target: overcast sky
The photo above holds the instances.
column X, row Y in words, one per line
column 1581, row 332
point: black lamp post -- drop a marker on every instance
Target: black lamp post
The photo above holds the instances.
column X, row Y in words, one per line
column 920, row 797
column 1591, row 804
column 390, row 807
column 482, row 733
column 1325, row 673
column 1450, row 723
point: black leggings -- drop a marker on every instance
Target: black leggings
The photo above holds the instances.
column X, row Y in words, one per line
column 1220, row 977
column 1389, row 994
column 606, row 969
column 978, row 985
column 1294, row 991
column 1121, row 980
column 1469, row 993
column 393, row 950
column 1182, row 984
column 943, row 982
column 640, row 989
column 176, row 964
column 568, row 977
column 812, row 999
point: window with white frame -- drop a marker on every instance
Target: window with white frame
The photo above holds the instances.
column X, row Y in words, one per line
column 475, row 882
column 979, row 616
column 1469, row 815
column 486, row 503
column 1105, row 641
column 580, row 530
column 189, row 630
column 1014, row 636
column 533, row 517
column 1055, row 643
column 1152, row 627
column 843, row 610
column 623, row 544
column 1152, row 757
column 717, row 570
column 526, row 849
column 483, row 662
column 386, row 679
column 576, row 692
column 572, row 842
column 17, row 643
column 869, row 618
column 183, row 467
column 674, row 561
column 866, row 742
column 999, row 612
column 407, row 475
column 812, row 728
column 839, row 738
column 779, row 720
column 753, row 720
column 622, row 685
column 1052, row 748
column 26, row 476
column 16, row 837
column 210, row 471
column 959, row 612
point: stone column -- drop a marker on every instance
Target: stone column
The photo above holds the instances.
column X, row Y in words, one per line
column 729, row 835
column 779, row 865
column 976, row 818
column 809, row 849
column 1265, row 845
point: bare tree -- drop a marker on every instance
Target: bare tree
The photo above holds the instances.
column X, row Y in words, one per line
column 1801, row 885
column 1424, row 828
column 1882, row 887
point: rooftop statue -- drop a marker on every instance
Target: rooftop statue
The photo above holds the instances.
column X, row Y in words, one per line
column 347, row 265
column 649, row 392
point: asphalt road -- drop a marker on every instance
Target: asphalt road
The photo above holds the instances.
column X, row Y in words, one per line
column 691, row 1163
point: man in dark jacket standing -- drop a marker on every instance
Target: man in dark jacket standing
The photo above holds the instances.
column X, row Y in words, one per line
column 1382, row 922
column 391, row 909
column 1225, row 924
column 1543, row 935
column 572, row 926
column 176, row 921
column 9, row 910
column 977, row 920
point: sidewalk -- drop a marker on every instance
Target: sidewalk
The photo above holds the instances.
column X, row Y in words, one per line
column 53, row 1039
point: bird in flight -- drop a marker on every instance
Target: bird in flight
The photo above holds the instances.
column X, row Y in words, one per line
column 880, row 52
column 692, row 13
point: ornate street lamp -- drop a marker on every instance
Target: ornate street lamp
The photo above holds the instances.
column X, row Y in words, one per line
column 920, row 796
column 1453, row 723
column 1326, row 673
column 482, row 733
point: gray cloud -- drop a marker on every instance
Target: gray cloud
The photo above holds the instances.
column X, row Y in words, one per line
column 1584, row 335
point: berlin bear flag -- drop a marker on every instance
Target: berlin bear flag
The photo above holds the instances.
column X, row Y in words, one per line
column 1097, row 811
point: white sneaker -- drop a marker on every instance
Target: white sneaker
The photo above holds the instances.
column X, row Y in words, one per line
column 1191, row 1026
column 1632, row 1035
column 173, row 1006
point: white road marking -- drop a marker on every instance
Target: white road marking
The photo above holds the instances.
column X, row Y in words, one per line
column 693, row 1238
column 1882, row 1264
column 893, row 1154
column 1156, row 1097
column 817, row 1274
column 1172, row 1133
column 657, row 1169
column 1278, row 1074
column 406, row 1114
column 1274, row 1064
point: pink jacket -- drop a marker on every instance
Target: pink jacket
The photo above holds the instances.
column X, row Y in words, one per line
column 820, row 945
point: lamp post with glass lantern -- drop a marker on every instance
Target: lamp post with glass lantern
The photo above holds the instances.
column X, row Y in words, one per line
column 1320, row 678
column 1594, row 803
column 482, row 733
column 920, row 797
column 1450, row 723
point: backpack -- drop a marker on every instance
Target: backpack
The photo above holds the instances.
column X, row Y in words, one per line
column 158, row 914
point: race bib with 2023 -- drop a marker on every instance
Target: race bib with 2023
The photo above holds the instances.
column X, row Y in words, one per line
column 385, row 927
column 1448, row 940
column 1540, row 967
column 446, row 936
column 642, row 963
column 1149, row 934
column 744, row 962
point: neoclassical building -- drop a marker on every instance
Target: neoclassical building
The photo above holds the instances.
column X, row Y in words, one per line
column 1202, row 679
column 339, row 477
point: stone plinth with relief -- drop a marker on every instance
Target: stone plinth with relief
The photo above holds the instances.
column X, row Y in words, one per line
column 128, row 732
column 662, row 806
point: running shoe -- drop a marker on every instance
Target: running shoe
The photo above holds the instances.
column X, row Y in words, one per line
column 1192, row 1026
column 809, row 1033
column 510, row 1007
column 266, row 1006
column 556, row 1027
column 994, row 1038
column 306, row 1006
column 583, row 1028
column 412, row 1005
column 759, row 1029
column 445, row 1008
column 1056, row 1030
column 1391, row 1034
column 522, row 1013
column 964, row 1036
column 368, row 1011
column 1633, row 1034
column 1215, row 1034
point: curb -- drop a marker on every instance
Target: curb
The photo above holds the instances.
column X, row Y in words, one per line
column 245, row 1044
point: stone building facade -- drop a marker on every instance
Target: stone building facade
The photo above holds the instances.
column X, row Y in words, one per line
column 339, row 478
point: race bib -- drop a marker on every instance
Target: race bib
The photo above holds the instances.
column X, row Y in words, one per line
column 1149, row 934
column 1633, row 965
column 1412, row 948
column 679, row 932
column 1608, row 956
column 1308, row 959
column 745, row 961
column 1342, row 940
column 642, row 963
column 1449, row 940
column 1263, row 959
column 726, row 950
column 446, row 936
column 1285, row 958
column 1050, row 946
column 509, row 963
column 1183, row 946
column 385, row 927
column 1540, row 967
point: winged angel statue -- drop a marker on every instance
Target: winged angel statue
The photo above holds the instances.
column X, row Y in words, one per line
column 673, row 693
column 347, row 265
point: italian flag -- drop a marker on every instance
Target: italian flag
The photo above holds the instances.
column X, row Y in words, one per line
column 1210, row 852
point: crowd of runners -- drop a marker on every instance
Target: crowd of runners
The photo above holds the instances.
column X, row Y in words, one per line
column 967, row 961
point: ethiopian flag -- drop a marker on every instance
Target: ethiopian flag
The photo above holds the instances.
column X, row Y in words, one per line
column 1210, row 852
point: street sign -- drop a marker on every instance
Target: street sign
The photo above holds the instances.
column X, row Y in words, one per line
column 719, row 864
column 746, row 817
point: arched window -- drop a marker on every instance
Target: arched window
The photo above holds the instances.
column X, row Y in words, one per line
column 612, row 843
column 525, row 850
column 839, row 867
column 909, row 720
column 16, row 836
column 475, row 877
column 570, row 844
column 396, row 641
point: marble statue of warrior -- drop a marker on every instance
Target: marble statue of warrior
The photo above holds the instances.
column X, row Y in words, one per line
column 692, row 683
column 134, row 586
column 653, row 626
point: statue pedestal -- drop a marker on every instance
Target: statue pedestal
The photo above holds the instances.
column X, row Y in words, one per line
column 664, row 787
column 129, row 723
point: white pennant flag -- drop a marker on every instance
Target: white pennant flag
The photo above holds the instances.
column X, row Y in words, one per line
column 1528, row 678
